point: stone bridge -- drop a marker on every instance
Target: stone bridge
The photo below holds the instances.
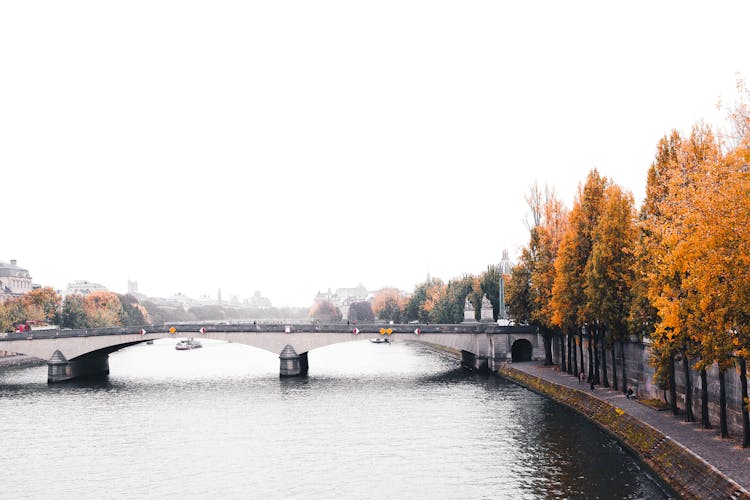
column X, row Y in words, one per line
column 72, row 354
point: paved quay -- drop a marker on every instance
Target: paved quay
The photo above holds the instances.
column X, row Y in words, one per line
column 726, row 455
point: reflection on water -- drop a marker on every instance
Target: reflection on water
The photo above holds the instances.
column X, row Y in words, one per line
column 370, row 421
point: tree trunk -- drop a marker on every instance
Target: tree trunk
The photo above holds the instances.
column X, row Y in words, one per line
column 580, row 351
column 591, row 360
column 672, row 387
column 705, row 421
column 563, row 364
column 572, row 355
column 624, row 377
column 595, row 337
column 603, row 342
column 689, row 417
column 743, row 395
column 614, row 366
column 723, row 405
column 547, row 349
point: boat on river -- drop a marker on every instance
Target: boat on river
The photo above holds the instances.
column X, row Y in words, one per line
column 379, row 340
column 187, row 344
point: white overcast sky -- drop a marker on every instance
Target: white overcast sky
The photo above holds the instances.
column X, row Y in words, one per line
column 293, row 146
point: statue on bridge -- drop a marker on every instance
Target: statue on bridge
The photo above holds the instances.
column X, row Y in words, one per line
column 469, row 313
column 486, row 313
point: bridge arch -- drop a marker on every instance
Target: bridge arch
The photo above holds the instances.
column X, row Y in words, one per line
column 521, row 350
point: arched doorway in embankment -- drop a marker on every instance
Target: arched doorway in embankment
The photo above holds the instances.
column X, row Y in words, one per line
column 521, row 350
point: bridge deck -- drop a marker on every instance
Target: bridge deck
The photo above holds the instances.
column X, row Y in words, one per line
column 193, row 329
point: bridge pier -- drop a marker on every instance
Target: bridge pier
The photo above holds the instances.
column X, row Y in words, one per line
column 292, row 364
column 59, row 369
column 472, row 362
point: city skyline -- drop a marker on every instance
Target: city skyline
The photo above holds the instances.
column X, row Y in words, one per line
column 86, row 286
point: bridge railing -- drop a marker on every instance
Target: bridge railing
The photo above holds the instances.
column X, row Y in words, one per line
column 194, row 329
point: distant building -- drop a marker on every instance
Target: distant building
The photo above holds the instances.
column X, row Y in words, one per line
column 206, row 300
column 182, row 299
column 325, row 296
column 257, row 300
column 356, row 294
column 133, row 290
column 14, row 280
column 505, row 267
column 84, row 287
column 344, row 297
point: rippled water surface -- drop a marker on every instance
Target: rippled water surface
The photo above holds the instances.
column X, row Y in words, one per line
column 370, row 421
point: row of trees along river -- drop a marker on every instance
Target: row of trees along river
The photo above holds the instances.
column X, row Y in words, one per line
column 676, row 271
column 103, row 308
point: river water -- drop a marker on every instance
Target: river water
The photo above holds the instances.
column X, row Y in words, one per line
column 370, row 421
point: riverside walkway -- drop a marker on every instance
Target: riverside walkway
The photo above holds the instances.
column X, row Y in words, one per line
column 725, row 455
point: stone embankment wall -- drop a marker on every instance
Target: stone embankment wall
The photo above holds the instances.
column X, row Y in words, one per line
column 12, row 359
column 689, row 475
column 640, row 375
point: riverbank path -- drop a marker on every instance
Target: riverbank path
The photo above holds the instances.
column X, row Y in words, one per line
column 726, row 455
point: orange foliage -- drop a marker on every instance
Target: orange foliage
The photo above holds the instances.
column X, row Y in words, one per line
column 386, row 301
column 42, row 304
column 325, row 311
column 102, row 309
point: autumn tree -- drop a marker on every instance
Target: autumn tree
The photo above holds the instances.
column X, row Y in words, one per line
column 102, row 309
column 12, row 313
column 675, row 241
column 414, row 308
column 609, row 273
column 529, row 292
column 549, row 233
column 41, row 305
column 565, row 294
column 133, row 313
column 435, row 301
column 6, row 323
column 73, row 314
column 734, row 239
column 388, row 305
column 360, row 311
column 571, row 309
column 719, row 257
column 518, row 294
column 45, row 303
column 654, row 216
column 325, row 311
